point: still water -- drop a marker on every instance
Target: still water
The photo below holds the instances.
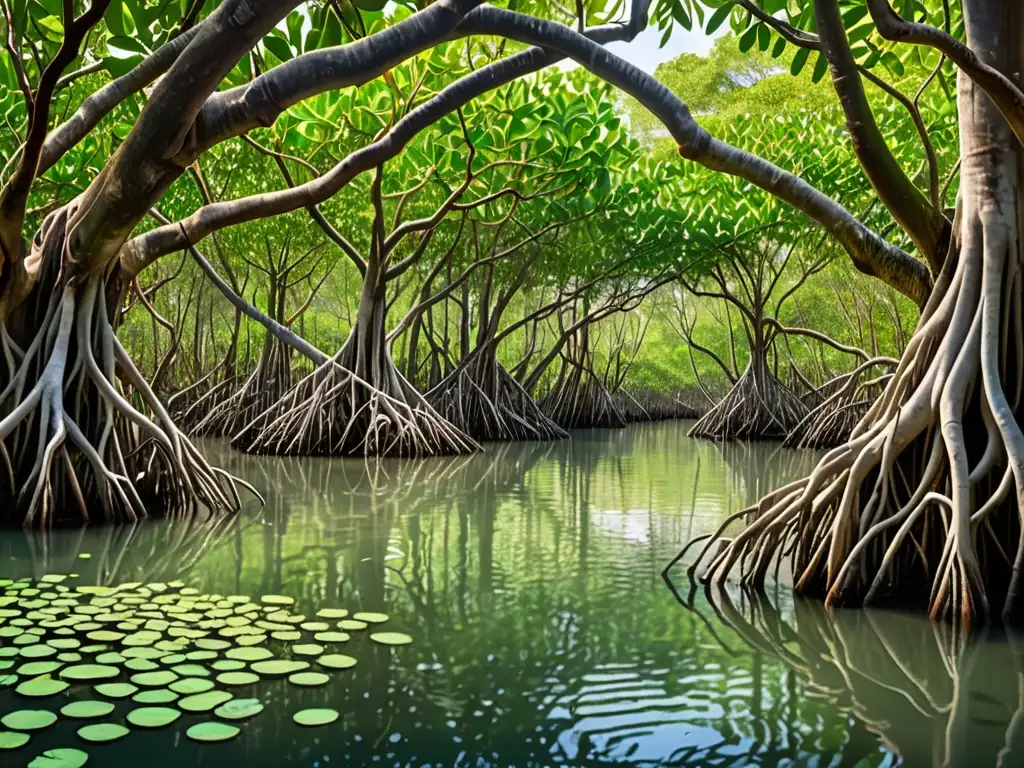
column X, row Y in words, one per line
column 530, row 579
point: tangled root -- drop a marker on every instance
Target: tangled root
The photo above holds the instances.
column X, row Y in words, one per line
column 334, row 412
column 73, row 446
column 831, row 422
column 758, row 407
column 923, row 503
column 483, row 400
column 580, row 401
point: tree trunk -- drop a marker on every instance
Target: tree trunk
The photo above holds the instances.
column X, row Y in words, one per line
column 914, row 506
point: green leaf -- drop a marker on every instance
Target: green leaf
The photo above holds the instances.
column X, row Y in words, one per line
column 820, row 67
column 747, row 39
column 799, row 60
column 718, row 18
column 893, row 63
column 764, row 37
column 278, row 47
column 779, row 47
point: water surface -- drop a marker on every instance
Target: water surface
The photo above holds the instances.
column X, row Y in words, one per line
column 530, row 578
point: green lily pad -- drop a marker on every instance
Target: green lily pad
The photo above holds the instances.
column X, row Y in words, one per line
column 390, row 638
column 212, row 732
column 314, row 717
column 101, row 733
column 87, row 709
column 228, row 665
column 115, row 690
column 239, row 709
column 191, row 670
column 309, row 679
column 336, row 661
column 157, row 696
column 279, row 667
column 351, row 625
column 152, row 717
column 63, row 757
column 307, row 649
column 13, row 739
column 38, row 668
column 315, row 626
column 105, row 636
column 332, row 637
column 371, row 618
column 237, row 678
column 249, row 654
column 212, row 644
column 287, row 636
column 189, row 685
column 89, row 672
column 159, row 679
column 141, row 665
column 332, row 613
column 38, row 651
column 204, row 702
column 28, row 719
column 277, row 600
column 40, row 687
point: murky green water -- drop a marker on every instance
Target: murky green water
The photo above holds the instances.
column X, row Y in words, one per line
column 529, row 577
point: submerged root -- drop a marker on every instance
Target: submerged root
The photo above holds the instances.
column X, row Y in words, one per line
column 74, row 447
column 758, row 407
column 334, row 412
column 483, row 400
column 923, row 503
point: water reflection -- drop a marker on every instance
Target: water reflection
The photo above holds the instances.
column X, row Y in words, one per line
column 529, row 577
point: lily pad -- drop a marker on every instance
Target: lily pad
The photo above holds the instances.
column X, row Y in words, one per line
column 28, row 719
column 228, row 665
column 212, row 732
column 390, row 638
column 158, row 696
column 332, row 637
column 101, row 733
column 84, row 673
column 37, row 668
column 277, row 600
column 152, row 717
column 315, row 626
column 314, row 717
column 279, row 667
column 189, row 685
column 204, row 702
column 249, row 654
column 87, row 709
column 158, row 679
column 287, row 636
column 38, row 651
column 371, row 618
column 351, row 625
column 191, row 670
column 40, row 687
column 13, row 739
column 332, row 613
column 309, row 679
column 115, row 690
column 63, row 757
column 336, row 661
column 237, row 678
column 239, row 709
column 307, row 649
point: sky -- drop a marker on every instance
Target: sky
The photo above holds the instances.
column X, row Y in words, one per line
column 644, row 52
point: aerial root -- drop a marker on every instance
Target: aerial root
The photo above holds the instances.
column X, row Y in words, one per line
column 78, row 447
column 334, row 412
column 580, row 400
column 758, row 407
column 483, row 400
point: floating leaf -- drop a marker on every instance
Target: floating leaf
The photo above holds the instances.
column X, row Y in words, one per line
column 41, row 687
column 331, row 637
column 204, row 702
column 28, row 719
column 87, row 709
column 279, row 667
column 63, row 757
column 249, row 654
column 336, row 661
column 152, row 717
column 352, row 625
column 37, row 668
column 115, row 690
column 13, row 739
column 190, row 685
column 277, row 600
column 314, row 717
column 390, row 638
column 161, row 696
column 371, row 618
column 309, row 679
column 159, row 679
column 332, row 613
column 89, row 672
column 237, row 678
column 228, row 665
column 308, row 649
column 100, row 733
column 212, row 732
column 239, row 709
